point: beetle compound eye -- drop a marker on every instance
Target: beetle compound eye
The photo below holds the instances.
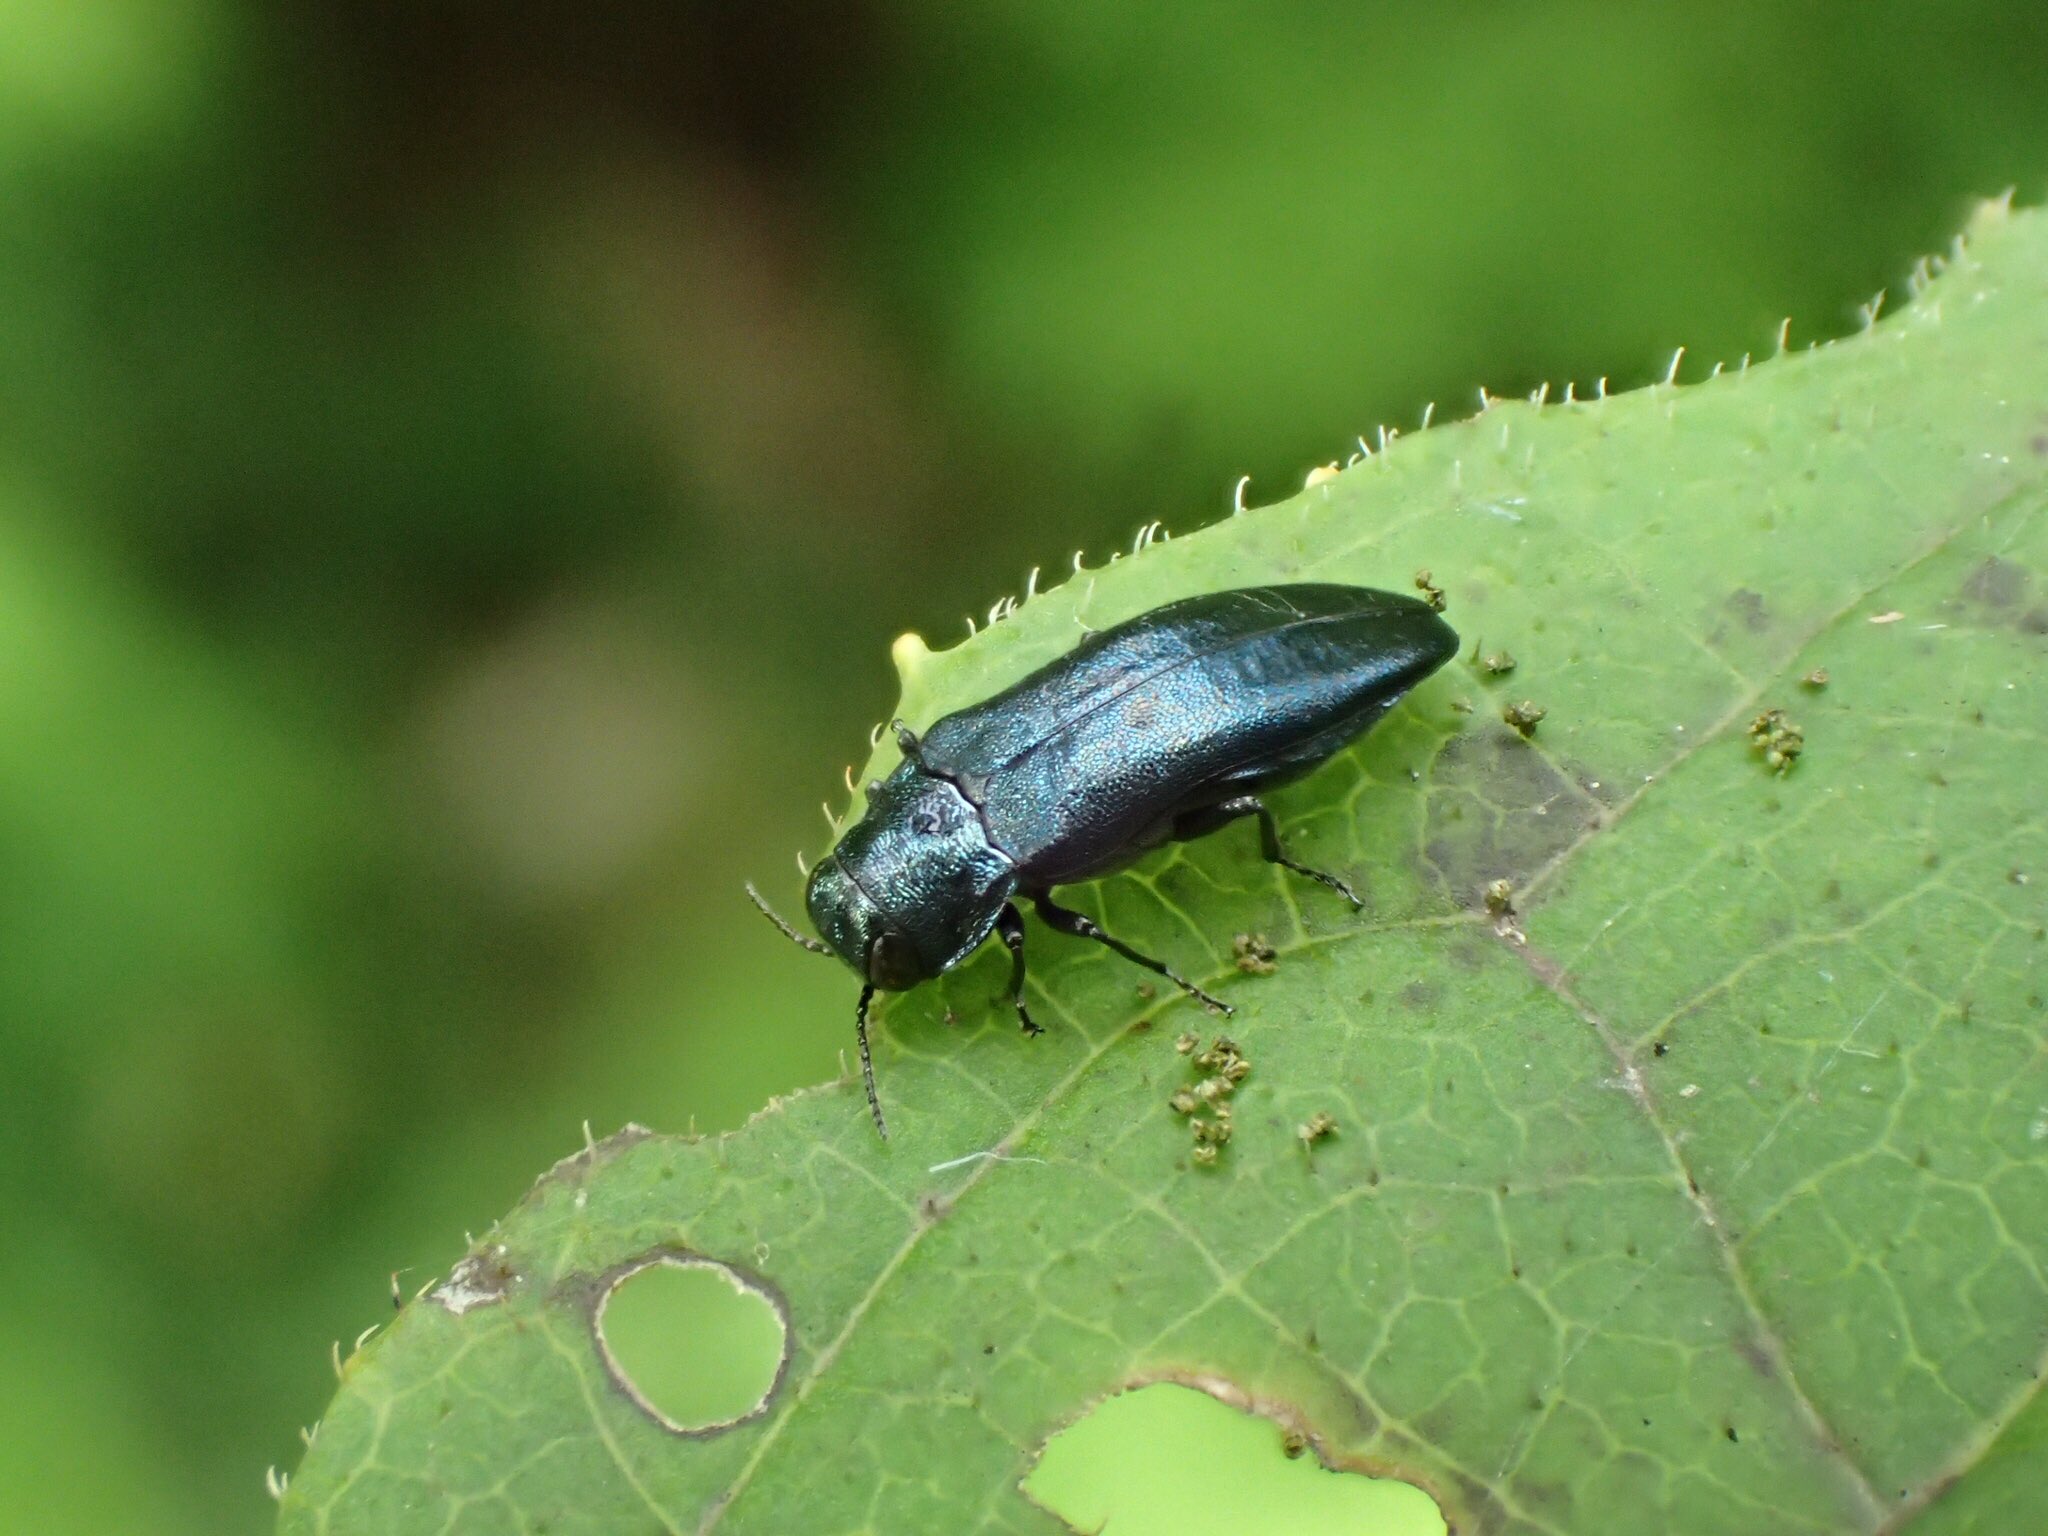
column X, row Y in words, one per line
column 892, row 963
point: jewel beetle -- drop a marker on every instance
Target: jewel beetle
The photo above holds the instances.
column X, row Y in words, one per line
column 1160, row 729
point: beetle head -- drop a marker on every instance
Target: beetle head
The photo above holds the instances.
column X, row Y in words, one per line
column 857, row 930
column 913, row 886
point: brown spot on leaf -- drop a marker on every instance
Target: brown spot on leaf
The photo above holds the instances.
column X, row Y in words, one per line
column 1466, row 954
column 1996, row 583
column 1756, row 1356
column 481, row 1280
column 1497, row 810
column 1749, row 607
column 578, row 1166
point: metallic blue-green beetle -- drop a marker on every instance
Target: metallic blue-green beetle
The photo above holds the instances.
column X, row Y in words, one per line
column 1160, row 729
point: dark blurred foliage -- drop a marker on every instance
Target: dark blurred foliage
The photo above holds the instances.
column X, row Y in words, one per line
column 461, row 466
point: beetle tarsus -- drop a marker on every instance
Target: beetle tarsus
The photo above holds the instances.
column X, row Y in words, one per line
column 867, row 1065
column 906, row 742
column 1269, row 845
column 1010, row 926
column 1070, row 922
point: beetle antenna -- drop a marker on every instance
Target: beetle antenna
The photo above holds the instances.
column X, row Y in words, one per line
column 780, row 922
column 867, row 1065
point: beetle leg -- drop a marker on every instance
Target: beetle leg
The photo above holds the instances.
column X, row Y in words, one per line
column 1010, row 925
column 906, row 742
column 1060, row 918
column 867, row 1065
column 1269, row 844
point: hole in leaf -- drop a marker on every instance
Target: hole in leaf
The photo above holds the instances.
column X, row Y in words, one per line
column 697, row 1344
column 1167, row 1460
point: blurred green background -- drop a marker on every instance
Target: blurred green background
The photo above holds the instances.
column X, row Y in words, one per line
column 461, row 465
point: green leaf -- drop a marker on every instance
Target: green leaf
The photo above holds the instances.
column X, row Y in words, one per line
column 1702, row 1188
